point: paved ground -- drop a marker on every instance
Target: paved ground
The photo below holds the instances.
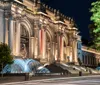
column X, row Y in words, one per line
column 85, row 80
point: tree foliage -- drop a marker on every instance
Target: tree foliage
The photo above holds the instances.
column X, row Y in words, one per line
column 5, row 55
column 96, row 20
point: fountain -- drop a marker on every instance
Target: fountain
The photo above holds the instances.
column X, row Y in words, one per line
column 25, row 66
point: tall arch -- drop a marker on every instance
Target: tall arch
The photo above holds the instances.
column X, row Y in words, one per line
column 50, row 33
column 28, row 25
column 25, row 26
column 65, row 39
column 48, row 45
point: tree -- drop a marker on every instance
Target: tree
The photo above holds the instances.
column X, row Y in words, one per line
column 5, row 55
column 91, row 43
column 96, row 21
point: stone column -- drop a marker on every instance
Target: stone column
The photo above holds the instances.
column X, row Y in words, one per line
column 53, row 48
column 6, row 29
column 70, row 44
column 90, row 60
column 48, row 52
column 11, row 35
column 93, row 59
column 35, row 48
column 70, row 54
column 87, row 60
column 61, row 43
column 74, row 50
column 82, row 59
column 14, row 38
column 96, row 60
column 18, row 39
column 36, row 40
column 73, row 47
column 42, row 43
column 56, row 52
column 31, row 47
column 58, row 47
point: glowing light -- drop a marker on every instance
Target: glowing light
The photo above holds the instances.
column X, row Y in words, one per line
column 25, row 65
column 40, row 67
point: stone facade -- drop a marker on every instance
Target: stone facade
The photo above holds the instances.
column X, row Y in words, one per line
column 87, row 56
column 90, row 57
column 34, row 30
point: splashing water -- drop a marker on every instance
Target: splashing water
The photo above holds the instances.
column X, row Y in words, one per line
column 24, row 66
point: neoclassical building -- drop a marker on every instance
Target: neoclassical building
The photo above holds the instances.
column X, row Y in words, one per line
column 89, row 57
column 34, row 30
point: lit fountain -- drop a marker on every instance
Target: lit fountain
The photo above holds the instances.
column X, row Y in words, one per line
column 25, row 66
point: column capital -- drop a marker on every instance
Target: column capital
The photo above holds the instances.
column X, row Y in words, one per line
column 7, row 14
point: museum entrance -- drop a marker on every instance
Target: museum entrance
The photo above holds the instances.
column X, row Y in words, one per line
column 24, row 42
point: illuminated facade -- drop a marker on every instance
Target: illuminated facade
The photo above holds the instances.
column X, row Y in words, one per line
column 34, row 30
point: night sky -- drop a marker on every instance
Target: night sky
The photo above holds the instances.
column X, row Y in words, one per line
column 77, row 9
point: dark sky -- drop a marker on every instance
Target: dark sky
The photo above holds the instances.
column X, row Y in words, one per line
column 77, row 9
